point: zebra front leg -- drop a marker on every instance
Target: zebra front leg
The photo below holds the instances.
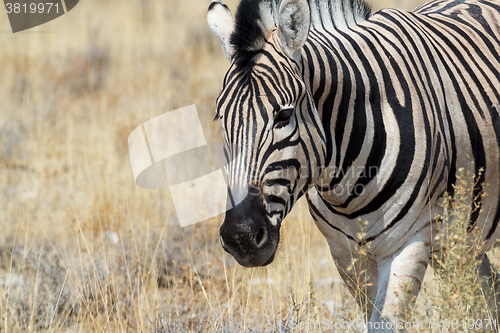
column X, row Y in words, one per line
column 359, row 273
column 399, row 280
column 490, row 284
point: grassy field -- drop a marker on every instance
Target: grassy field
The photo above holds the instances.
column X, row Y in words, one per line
column 82, row 248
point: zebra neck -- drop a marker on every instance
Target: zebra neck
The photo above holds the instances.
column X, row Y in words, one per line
column 337, row 14
column 326, row 14
column 341, row 93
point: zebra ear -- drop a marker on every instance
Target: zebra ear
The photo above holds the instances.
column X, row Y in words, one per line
column 221, row 23
column 293, row 26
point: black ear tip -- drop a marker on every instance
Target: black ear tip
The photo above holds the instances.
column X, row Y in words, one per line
column 215, row 3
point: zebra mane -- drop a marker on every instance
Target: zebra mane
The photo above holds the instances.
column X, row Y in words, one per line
column 254, row 19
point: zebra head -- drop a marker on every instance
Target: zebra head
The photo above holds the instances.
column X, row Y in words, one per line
column 273, row 139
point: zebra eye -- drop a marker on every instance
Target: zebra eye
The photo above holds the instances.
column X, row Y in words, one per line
column 283, row 117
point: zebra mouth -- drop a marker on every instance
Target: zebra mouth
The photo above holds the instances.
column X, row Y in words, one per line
column 257, row 260
column 270, row 260
column 251, row 251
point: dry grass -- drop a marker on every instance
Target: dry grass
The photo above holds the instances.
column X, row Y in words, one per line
column 82, row 248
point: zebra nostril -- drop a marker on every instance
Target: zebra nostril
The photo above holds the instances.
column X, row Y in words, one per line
column 261, row 237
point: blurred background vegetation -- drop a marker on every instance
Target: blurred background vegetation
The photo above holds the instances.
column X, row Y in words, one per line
column 82, row 248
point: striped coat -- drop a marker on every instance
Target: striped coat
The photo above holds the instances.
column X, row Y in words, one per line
column 371, row 116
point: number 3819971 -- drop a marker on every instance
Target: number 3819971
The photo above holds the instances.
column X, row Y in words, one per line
column 32, row 8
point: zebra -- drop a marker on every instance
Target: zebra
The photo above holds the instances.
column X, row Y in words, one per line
column 371, row 116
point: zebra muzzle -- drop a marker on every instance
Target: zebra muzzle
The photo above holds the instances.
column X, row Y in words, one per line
column 248, row 236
